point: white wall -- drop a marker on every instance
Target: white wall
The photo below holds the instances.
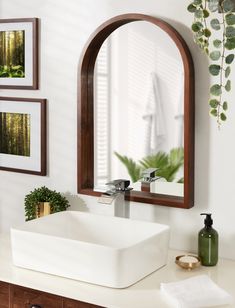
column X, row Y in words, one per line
column 65, row 27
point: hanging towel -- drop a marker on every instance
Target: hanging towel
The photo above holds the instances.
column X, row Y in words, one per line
column 195, row 292
column 154, row 117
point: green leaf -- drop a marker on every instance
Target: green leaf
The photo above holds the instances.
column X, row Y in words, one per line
column 217, row 43
column 228, row 86
column 216, row 90
column 230, row 43
column 158, row 160
column 198, row 42
column 225, row 106
column 215, row 55
column 214, row 112
column 176, row 156
column 197, row 2
column 207, row 32
column 215, row 24
column 223, row 117
column 214, row 69
column 206, row 13
column 197, row 26
column 191, row 8
column 228, row 5
column 230, row 31
column 198, row 13
column 230, row 19
column 227, row 72
column 213, row 5
column 206, row 43
column 199, row 34
column 229, row 59
column 214, row 103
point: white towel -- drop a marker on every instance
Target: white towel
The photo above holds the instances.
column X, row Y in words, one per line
column 195, row 292
column 154, row 115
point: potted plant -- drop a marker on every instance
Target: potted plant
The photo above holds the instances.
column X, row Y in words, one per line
column 44, row 200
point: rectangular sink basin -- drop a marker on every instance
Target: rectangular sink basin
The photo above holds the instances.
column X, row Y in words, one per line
column 108, row 251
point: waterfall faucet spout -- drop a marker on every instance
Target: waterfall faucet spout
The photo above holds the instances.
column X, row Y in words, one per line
column 149, row 176
column 119, row 189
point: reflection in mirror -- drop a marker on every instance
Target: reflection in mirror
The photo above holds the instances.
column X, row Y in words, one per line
column 139, row 110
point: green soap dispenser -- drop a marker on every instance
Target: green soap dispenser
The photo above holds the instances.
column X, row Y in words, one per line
column 208, row 243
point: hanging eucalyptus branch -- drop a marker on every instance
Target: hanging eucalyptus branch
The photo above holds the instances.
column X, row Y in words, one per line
column 220, row 54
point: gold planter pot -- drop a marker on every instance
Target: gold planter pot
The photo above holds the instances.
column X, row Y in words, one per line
column 43, row 209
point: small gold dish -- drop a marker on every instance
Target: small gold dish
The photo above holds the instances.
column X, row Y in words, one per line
column 188, row 262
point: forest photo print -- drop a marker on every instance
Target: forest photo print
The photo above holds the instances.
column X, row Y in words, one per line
column 23, row 135
column 15, row 133
column 19, row 53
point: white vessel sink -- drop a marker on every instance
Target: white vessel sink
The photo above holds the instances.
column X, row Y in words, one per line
column 109, row 251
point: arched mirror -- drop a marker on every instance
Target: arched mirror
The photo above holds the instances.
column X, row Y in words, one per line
column 136, row 111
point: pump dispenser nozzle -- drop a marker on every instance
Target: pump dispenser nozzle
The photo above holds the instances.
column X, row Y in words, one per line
column 208, row 220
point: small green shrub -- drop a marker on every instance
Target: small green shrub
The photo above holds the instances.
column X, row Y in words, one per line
column 43, row 194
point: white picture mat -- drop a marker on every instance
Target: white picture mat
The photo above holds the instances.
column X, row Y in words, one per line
column 33, row 162
column 28, row 79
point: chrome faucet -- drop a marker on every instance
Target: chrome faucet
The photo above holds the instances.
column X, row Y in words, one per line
column 118, row 190
column 148, row 176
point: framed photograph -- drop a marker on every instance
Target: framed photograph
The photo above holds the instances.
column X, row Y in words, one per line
column 19, row 53
column 23, row 135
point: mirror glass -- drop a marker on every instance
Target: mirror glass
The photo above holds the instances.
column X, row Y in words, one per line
column 139, row 110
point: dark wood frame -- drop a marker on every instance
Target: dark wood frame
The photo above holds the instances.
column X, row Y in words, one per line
column 85, row 167
column 35, row 44
column 43, row 132
column 12, row 295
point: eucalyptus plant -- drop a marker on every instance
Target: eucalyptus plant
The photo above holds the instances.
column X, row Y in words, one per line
column 214, row 33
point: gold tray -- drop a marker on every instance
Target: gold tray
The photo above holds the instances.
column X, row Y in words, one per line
column 188, row 265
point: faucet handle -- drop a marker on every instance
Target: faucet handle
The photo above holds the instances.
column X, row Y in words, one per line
column 148, row 175
column 120, row 185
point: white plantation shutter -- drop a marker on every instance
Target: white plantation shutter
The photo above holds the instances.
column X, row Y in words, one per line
column 102, row 117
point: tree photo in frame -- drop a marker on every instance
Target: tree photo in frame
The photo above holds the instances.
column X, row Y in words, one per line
column 23, row 135
column 19, row 53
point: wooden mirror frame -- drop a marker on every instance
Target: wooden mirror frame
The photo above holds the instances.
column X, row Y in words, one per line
column 85, row 134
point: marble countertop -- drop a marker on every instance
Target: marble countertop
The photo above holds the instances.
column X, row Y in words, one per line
column 145, row 293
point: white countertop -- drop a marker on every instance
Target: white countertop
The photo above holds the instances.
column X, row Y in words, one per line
column 144, row 294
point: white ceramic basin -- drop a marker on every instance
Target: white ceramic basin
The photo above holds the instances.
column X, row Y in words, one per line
column 109, row 251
